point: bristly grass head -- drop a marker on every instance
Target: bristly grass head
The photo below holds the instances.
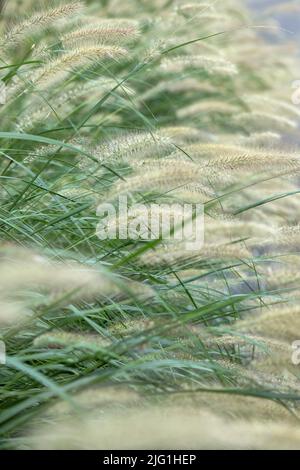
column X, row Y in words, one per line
column 168, row 105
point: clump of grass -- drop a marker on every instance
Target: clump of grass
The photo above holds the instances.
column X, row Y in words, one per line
column 123, row 99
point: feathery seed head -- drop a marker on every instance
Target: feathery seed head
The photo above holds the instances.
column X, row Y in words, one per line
column 34, row 23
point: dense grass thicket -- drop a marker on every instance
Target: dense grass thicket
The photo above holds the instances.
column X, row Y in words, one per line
column 145, row 344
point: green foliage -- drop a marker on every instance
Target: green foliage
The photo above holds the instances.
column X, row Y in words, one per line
column 163, row 101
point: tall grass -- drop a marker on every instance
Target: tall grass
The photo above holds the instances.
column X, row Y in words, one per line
column 142, row 343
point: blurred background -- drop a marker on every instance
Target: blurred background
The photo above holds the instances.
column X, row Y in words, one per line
column 287, row 13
